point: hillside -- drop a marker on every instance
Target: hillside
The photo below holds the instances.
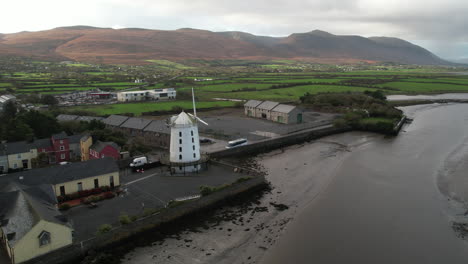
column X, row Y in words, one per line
column 136, row 46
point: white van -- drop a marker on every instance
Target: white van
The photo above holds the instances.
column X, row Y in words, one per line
column 138, row 162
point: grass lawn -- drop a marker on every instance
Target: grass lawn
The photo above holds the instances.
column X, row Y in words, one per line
column 138, row 108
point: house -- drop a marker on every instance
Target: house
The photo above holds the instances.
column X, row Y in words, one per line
column 60, row 147
column 156, row 95
column 20, row 154
column 286, row 114
column 3, row 159
column 250, row 108
column 263, row 110
column 101, row 150
column 85, row 144
column 114, row 121
column 31, row 225
column 72, row 177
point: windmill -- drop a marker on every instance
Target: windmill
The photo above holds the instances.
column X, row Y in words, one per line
column 185, row 142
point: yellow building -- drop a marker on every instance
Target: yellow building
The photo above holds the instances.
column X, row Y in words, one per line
column 85, row 144
column 31, row 225
column 20, row 154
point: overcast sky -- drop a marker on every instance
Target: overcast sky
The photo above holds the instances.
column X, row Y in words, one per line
column 440, row 26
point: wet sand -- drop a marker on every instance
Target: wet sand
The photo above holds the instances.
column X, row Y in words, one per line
column 351, row 198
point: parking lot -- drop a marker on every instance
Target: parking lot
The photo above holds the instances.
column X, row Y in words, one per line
column 152, row 189
column 236, row 125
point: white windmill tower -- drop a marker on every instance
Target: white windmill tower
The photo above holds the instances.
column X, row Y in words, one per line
column 185, row 143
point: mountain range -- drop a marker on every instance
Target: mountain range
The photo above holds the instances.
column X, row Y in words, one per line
column 137, row 46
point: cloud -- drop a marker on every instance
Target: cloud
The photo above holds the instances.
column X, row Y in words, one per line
column 437, row 25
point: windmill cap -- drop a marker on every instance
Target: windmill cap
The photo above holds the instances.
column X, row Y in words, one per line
column 183, row 120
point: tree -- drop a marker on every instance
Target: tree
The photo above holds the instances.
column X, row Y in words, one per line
column 9, row 111
column 49, row 100
column 17, row 130
column 43, row 125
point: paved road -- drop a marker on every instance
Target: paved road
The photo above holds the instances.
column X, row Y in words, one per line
column 152, row 189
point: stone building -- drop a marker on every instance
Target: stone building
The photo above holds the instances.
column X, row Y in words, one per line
column 273, row 111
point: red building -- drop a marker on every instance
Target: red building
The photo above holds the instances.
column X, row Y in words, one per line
column 101, row 149
column 57, row 147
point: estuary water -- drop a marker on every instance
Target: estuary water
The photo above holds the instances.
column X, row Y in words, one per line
column 385, row 203
column 351, row 198
column 445, row 96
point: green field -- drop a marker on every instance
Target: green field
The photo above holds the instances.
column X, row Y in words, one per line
column 138, row 108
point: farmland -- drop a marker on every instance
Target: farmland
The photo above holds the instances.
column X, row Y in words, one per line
column 283, row 81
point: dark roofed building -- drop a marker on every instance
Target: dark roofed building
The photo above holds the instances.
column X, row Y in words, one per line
column 89, row 118
column 70, row 178
column 134, row 126
column 157, row 134
column 114, row 121
column 64, row 117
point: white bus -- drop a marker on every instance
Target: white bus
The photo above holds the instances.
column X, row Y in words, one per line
column 236, row 143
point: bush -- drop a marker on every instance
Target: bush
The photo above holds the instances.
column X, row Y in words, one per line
column 61, row 199
column 149, row 211
column 206, row 190
column 243, row 179
column 124, row 219
column 64, row 207
column 105, row 228
column 133, row 218
column 109, row 195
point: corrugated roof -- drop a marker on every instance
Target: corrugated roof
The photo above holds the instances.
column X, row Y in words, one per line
column 61, row 135
column 267, row 105
column 253, row 103
column 89, row 118
column 63, row 117
column 135, row 123
column 115, row 120
column 159, row 126
column 283, row 108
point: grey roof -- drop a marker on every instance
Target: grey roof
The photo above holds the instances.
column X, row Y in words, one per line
column 99, row 145
column 18, row 147
column 61, row 135
column 74, row 139
column 89, row 118
column 267, row 105
column 42, row 143
column 253, row 103
column 2, row 149
column 64, row 173
column 64, row 117
column 135, row 123
column 282, row 108
column 22, row 207
column 159, row 126
column 84, row 138
column 115, row 120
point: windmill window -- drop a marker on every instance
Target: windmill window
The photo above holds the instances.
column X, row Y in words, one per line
column 180, row 134
column 193, row 147
column 194, row 155
column 191, row 132
column 193, row 141
column 44, row 238
column 180, row 157
column 180, row 141
column 180, row 149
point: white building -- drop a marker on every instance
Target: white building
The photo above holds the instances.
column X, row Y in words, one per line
column 147, row 95
column 185, row 144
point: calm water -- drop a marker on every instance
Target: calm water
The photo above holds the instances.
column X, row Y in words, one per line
column 446, row 96
column 384, row 204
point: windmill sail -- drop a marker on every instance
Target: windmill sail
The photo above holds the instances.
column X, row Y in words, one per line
column 195, row 110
